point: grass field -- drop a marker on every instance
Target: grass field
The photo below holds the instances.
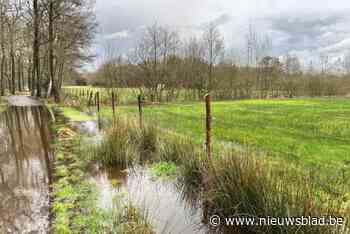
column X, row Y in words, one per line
column 125, row 95
column 76, row 115
column 316, row 131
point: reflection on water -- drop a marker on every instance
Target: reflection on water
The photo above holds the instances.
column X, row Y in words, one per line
column 167, row 207
column 25, row 170
column 89, row 128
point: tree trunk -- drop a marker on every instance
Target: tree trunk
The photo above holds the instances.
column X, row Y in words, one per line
column 2, row 72
column 13, row 72
column 29, row 78
column 19, row 73
column 36, row 47
column 53, row 83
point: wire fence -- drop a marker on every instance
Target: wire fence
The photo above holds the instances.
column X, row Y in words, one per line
column 263, row 129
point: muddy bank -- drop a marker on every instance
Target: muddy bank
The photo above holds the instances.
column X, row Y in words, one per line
column 25, row 170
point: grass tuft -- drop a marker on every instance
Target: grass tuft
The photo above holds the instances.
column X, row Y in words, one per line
column 164, row 169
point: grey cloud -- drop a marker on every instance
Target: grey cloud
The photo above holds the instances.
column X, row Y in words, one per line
column 311, row 32
column 121, row 21
column 287, row 22
column 116, row 19
column 118, row 35
column 339, row 47
column 222, row 19
column 218, row 21
column 310, row 25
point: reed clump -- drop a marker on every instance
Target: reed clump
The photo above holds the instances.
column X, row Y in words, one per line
column 125, row 144
column 251, row 187
column 117, row 147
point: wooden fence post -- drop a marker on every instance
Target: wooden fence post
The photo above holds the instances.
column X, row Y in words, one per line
column 98, row 101
column 139, row 100
column 206, row 173
column 90, row 99
column 95, row 102
column 113, row 104
column 208, row 126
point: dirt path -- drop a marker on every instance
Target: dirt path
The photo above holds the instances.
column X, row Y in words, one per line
column 23, row 101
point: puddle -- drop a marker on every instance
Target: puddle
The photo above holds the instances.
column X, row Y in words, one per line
column 161, row 199
column 25, row 170
column 90, row 128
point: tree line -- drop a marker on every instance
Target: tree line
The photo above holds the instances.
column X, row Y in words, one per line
column 163, row 65
column 42, row 42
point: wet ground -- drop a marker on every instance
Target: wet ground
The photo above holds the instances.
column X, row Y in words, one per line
column 25, row 170
column 169, row 208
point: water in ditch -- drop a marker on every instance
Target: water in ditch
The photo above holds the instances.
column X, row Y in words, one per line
column 167, row 205
column 25, row 170
column 169, row 208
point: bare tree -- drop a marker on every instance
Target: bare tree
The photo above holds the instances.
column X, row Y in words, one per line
column 44, row 38
column 156, row 46
column 3, row 6
column 214, row 45
column 346, row 62
column 325, row 64
column 292, row 65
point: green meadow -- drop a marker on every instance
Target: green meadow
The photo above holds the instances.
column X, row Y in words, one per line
column 316, row 131
column 125, row 95
column 75, row 115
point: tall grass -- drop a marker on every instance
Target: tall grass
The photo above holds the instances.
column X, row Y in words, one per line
column 250, row 186
column 125, row 144
column 187, row 155
column 126, row 218
column 118, row 146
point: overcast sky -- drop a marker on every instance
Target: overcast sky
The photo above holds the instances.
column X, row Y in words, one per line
column 302, row 27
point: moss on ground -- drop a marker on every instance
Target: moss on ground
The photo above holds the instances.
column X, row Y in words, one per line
column 70, row 190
